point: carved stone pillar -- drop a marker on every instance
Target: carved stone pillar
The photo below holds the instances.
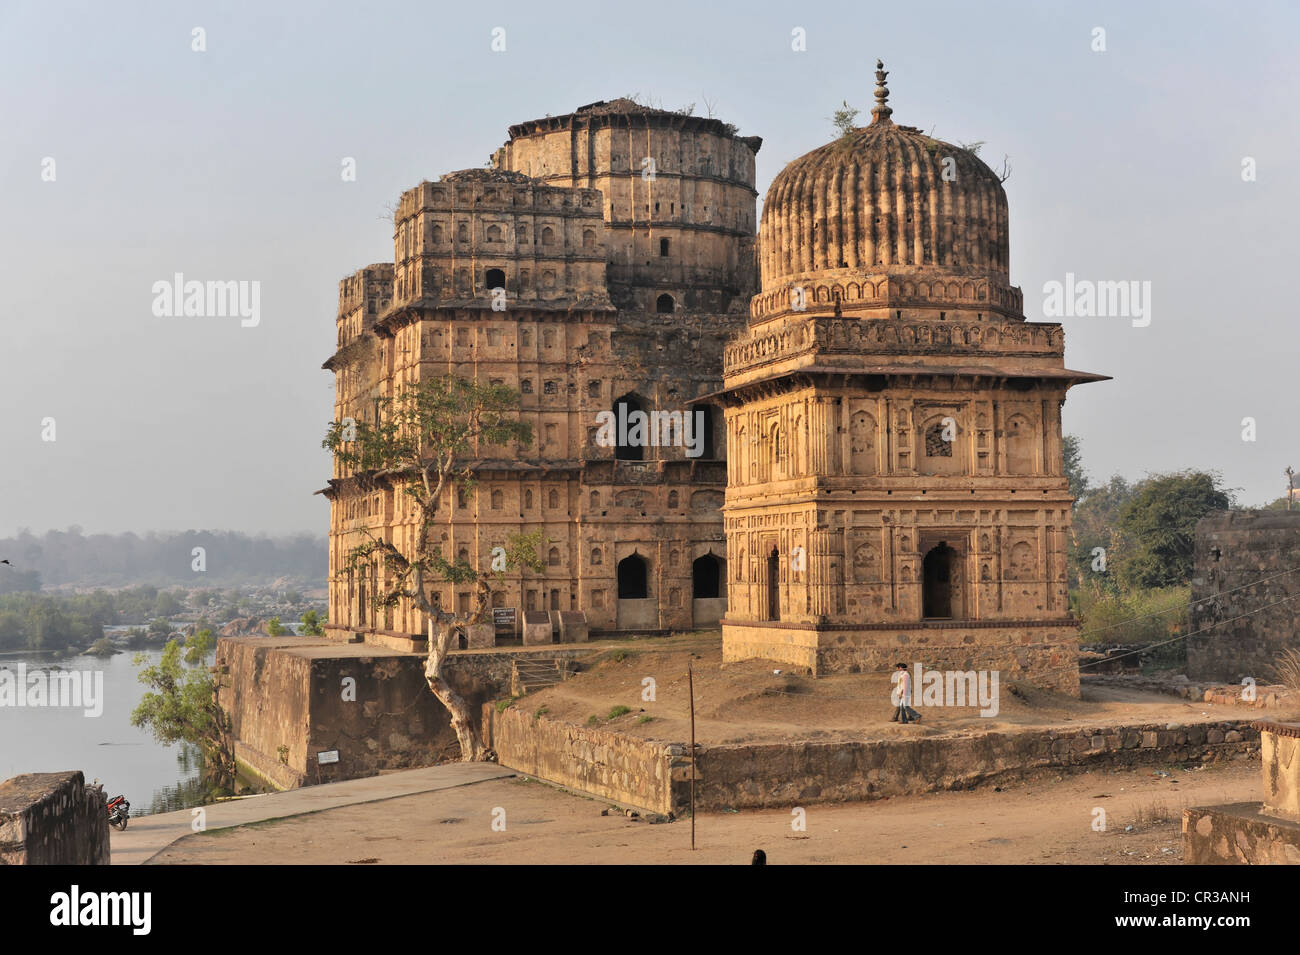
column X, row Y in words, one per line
column 821, row 587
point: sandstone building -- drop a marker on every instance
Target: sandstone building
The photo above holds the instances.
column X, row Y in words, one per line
column 880, row 473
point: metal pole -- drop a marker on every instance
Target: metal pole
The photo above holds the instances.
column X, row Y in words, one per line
column 690, row 682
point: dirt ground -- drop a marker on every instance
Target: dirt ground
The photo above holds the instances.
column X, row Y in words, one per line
column 750, row 702
column 1045, row 822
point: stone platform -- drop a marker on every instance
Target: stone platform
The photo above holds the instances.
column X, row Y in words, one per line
column 1254, row 833
column 1043, row 653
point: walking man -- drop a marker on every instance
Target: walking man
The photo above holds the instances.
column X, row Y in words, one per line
column 903, row 680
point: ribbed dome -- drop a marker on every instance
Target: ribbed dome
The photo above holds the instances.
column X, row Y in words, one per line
column 884, row 200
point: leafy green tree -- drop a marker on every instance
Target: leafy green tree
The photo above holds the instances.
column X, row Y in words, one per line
column 48, row 627
column 1096, row 516
column 424, row 442
column 166, row 605
column 311, row 623
column 181, row 704
column 1156, row 527
column 1072, row 449
column 159, row 629
column 275, row 628
column 844, row 118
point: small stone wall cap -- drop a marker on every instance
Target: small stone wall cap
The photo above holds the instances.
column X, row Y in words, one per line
column 1278, row 729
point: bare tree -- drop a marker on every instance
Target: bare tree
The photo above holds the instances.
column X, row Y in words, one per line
column 424, row 443
column 1004, row 173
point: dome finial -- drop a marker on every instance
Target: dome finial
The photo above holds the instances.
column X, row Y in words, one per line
column 881, row 112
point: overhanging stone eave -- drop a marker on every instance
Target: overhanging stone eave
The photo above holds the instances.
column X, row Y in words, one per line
column 1055, row 375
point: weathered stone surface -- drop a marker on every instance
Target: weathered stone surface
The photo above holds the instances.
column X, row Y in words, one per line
column 292, row 698
column 1238, row 834
column 629, row 770
column 1244, row 583
column 1280, row 760
column 52, row 819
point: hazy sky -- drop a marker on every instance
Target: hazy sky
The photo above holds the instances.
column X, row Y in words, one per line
column 225, row 165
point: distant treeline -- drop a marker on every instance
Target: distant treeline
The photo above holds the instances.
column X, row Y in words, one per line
column 35, row 621
column 70, row 557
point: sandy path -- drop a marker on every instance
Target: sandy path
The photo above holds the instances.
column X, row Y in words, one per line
column 1049, row 822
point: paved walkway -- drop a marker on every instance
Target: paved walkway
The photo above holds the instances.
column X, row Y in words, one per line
column 146, row 836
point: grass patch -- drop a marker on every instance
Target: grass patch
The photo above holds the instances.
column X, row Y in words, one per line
column 540, row 712
column 1287, row 669
column 593, row 720
column 503, row 705
column 618, row 711
column 1155, row 813
column 645, row 719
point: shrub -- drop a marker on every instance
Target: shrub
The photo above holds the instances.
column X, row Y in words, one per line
column 1138, row 617
column 618, row 711
column 1287, row 669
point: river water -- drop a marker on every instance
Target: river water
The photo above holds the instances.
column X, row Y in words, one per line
column 127, row 760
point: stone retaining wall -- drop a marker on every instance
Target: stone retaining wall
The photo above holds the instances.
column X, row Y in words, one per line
column 292, row 698
column 775, row 774
column 623, row 769
column 655, row 775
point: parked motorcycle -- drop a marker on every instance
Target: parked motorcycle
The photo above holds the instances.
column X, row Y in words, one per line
column 119, row 810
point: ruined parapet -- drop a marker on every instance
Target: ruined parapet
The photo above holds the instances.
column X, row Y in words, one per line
column 52, row 819
column 537, row 627
column 481, row 636
column 1262, row 833
column 573, row 627
column 1279, row 753
column 1246, row 574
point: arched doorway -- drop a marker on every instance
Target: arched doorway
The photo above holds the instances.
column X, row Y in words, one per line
column 706, row 577
column 631, row 431
column 664, row 304
column 636, row 609
column 937, row 583
column 632, row 578
column 774, row 585
column 708, row 590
